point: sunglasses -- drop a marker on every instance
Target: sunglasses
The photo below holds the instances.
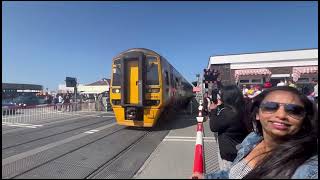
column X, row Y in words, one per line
column 293, row 110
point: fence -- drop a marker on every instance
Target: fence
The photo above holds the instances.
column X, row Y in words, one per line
column 16, row 114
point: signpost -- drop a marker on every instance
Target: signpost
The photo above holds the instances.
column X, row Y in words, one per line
column 72, row 82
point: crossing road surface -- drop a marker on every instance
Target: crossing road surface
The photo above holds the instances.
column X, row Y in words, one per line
column 91, row 145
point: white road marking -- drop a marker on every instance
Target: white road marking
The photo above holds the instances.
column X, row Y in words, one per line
column 91, row 131
column 187, row 139
column 21, row 125
column 48, row 146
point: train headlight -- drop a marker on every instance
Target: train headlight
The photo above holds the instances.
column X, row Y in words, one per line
column 116, row 90
column 153, row 90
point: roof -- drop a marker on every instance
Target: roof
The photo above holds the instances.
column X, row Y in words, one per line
column 143, row 50
column 267, row 57
column 101, row 82
column 266, row 52
column 21, row 86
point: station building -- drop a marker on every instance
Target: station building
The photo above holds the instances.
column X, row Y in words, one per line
column 97, row 87
column 301, row 66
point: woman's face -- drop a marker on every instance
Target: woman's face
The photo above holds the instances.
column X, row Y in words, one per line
column 279, row 120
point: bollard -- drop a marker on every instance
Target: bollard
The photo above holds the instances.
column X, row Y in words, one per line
column 198, row 165
column 198, row 155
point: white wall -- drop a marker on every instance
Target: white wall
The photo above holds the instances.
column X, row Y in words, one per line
column 296, row 56
column 93, row 89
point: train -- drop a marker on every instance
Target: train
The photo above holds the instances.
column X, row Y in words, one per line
column 144, row 85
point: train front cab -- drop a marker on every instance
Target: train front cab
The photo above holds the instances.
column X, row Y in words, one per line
column 136, row 90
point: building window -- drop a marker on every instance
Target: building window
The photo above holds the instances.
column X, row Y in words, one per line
column 250, row 81
column 303, row 80
column 256, row 81
column 244, row 81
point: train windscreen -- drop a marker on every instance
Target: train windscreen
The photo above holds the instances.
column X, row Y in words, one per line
column 116, row 77
column 152, row 71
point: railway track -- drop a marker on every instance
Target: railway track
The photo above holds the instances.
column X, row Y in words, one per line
column 104, row 153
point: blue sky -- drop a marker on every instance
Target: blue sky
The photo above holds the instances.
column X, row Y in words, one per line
column 43, row 42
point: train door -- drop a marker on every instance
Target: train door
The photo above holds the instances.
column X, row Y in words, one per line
column 133, row 80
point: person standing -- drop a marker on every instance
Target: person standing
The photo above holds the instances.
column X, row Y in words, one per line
column 285, row 143
column 55, row 102
column 206, row 105
column 66, row 100
column 227, row 119
column 315, row 91
column 281, row 83
column 244, row 90
column 60, row 101
column 291, row 84
column 267, row 85
column 257, row 91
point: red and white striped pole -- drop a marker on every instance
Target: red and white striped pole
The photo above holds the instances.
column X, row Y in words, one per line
column 200, row 108
column 198, row 155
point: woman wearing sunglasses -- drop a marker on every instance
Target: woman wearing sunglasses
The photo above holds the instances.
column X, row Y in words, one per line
column 284, row 142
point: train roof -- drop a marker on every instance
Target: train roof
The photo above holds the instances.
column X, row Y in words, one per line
column 144, row 50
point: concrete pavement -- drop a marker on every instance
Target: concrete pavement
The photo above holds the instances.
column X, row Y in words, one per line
column 174, row 156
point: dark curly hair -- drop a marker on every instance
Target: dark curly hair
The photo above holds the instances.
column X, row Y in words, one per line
column 283, row 160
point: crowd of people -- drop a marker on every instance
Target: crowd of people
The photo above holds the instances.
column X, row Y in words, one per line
column 310, row 90
column 65, row 101
column 264, row 131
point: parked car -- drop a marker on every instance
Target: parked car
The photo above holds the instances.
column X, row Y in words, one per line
column 8, row 107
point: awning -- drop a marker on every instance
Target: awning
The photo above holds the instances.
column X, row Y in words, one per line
column 297, row 71
column 243, row 72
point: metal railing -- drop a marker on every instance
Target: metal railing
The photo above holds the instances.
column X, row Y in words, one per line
column 30, row 114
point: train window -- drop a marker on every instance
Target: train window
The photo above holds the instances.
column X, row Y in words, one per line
column 116, row 70
column 171, row 80
column 152, row 71
column 166, row 77
column 177, row 83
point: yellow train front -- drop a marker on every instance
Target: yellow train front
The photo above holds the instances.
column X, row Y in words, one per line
column 143, row 85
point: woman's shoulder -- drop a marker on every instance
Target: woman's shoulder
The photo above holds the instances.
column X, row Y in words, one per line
column 308, row 170
column 221, row 174
column 230, row 112
column 226, row 109
column 250, row 141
